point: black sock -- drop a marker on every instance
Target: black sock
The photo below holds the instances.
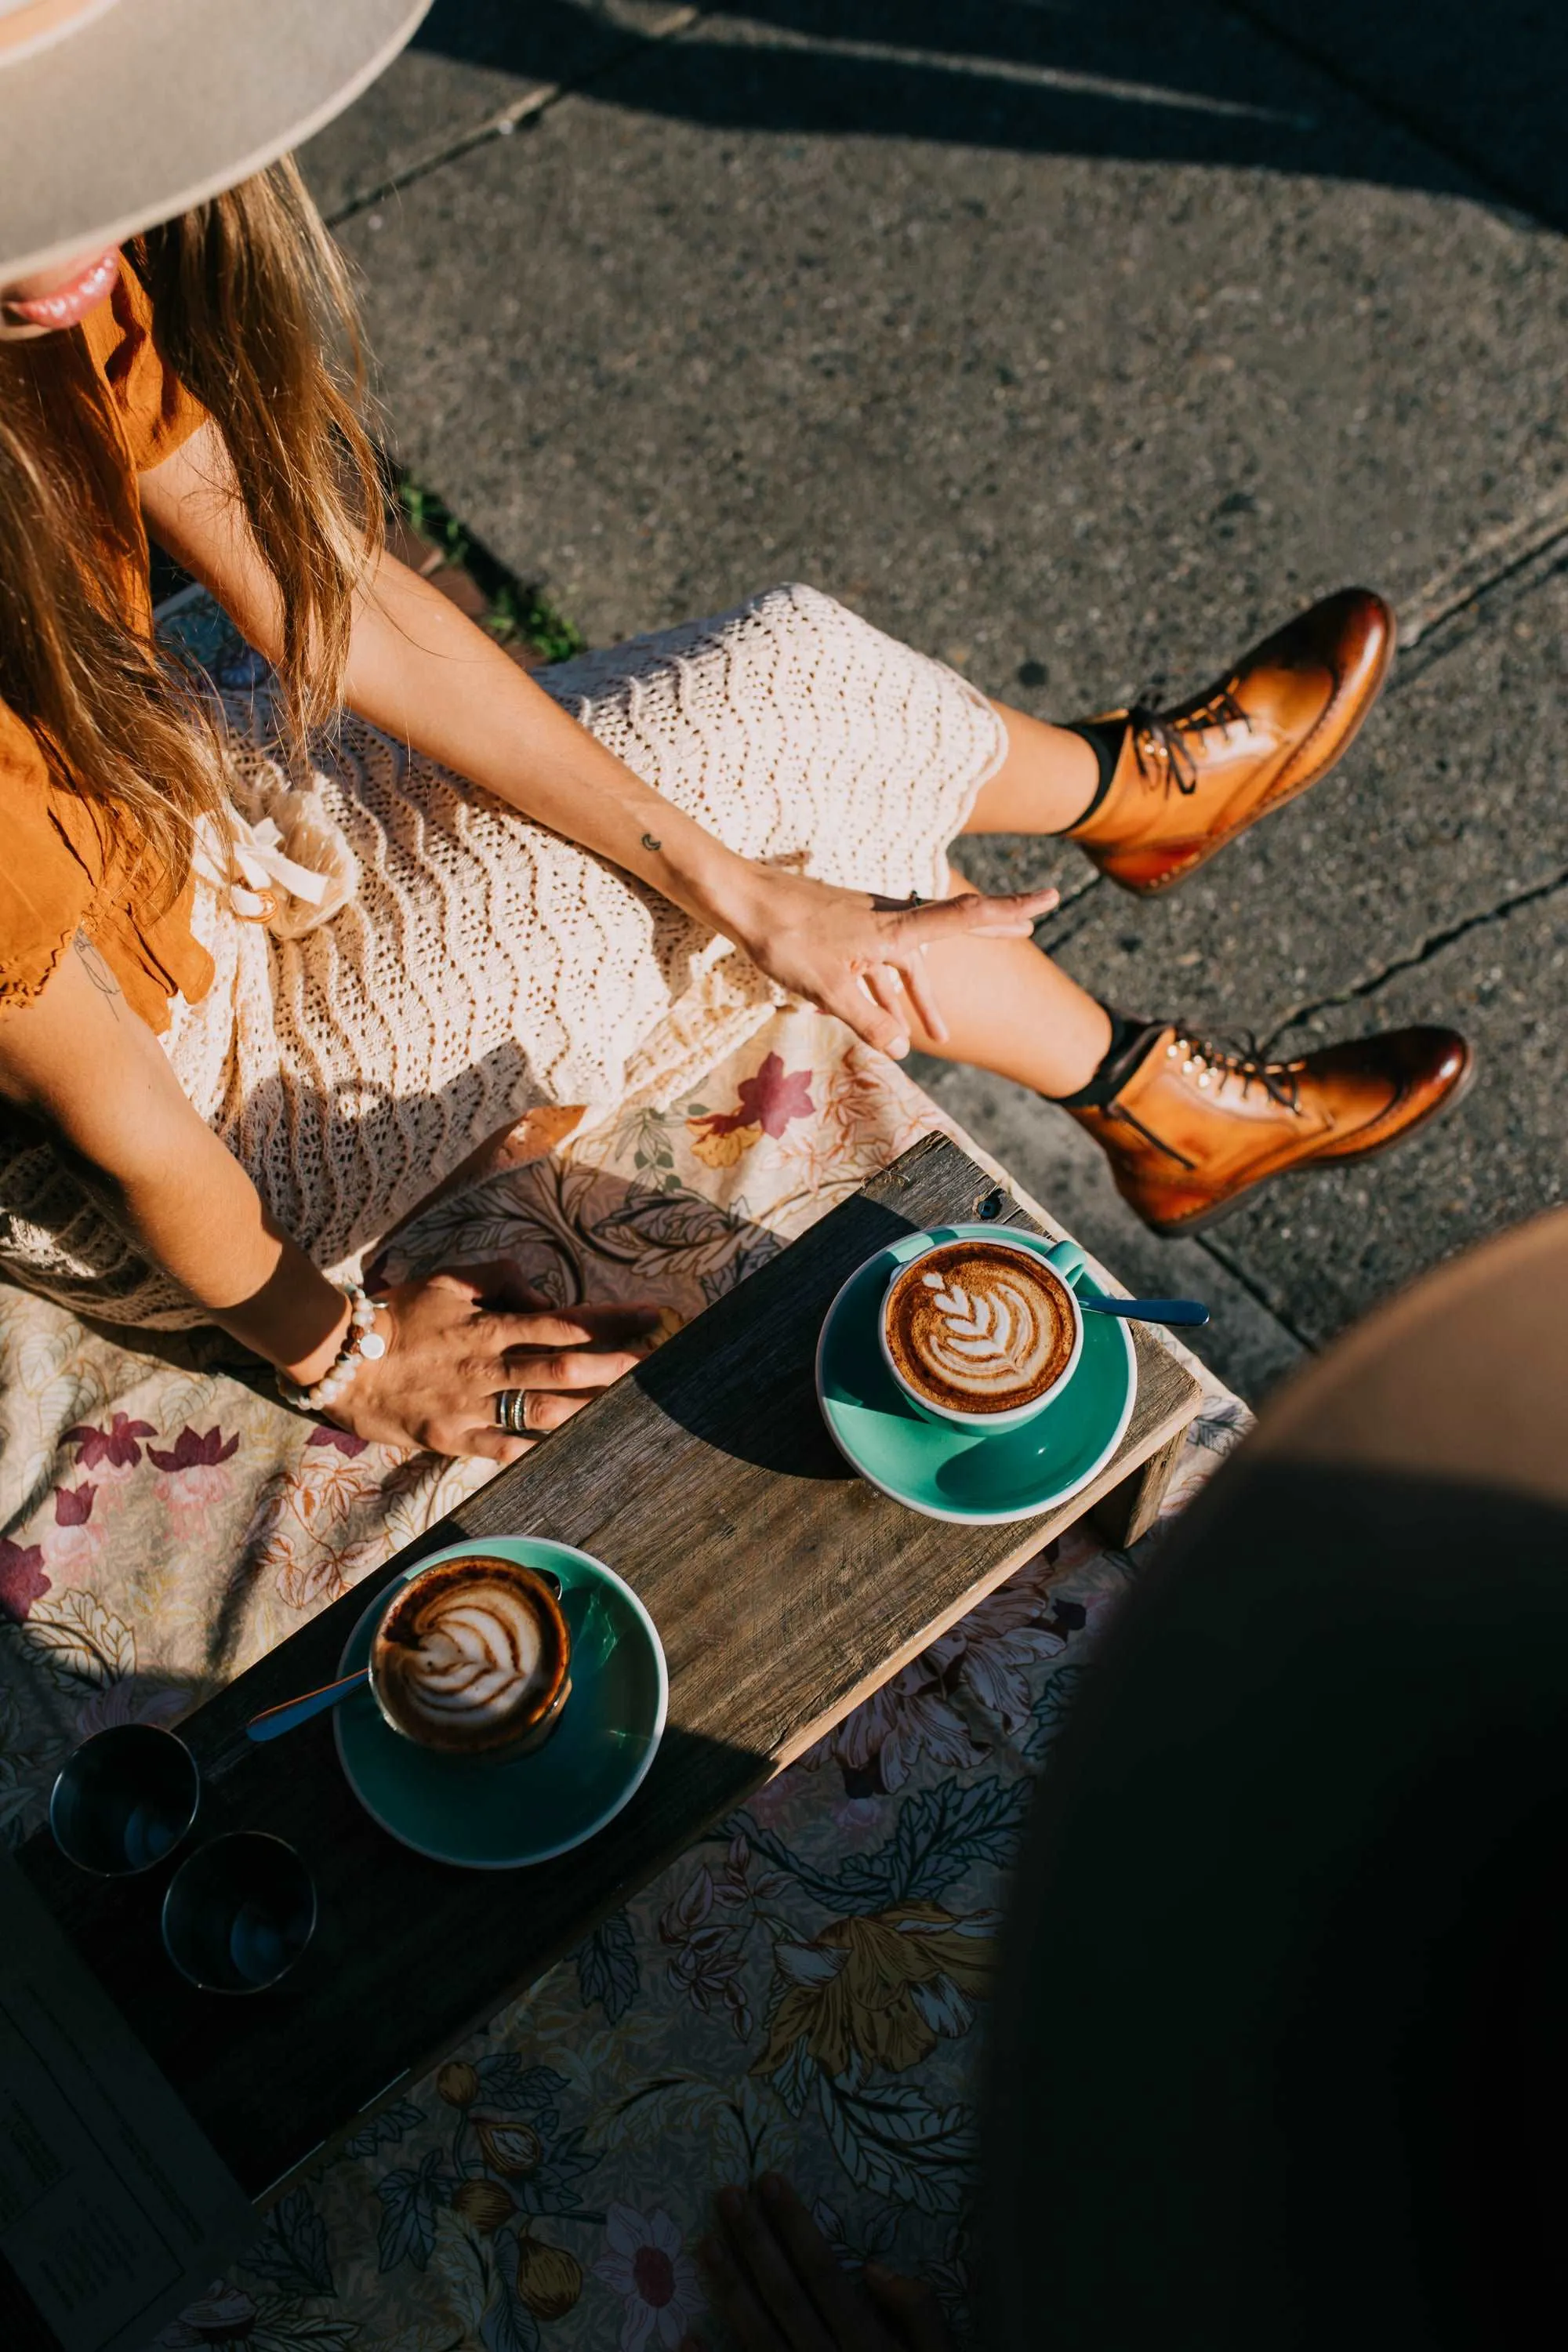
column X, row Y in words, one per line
column 1131, row 1038
column 1105, row 738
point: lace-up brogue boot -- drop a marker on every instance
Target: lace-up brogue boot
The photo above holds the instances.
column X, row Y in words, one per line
column 1196, row 1126
column 1190, row 779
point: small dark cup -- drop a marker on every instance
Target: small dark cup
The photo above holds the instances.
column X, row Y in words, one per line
column 238, row 1912
column 124, row 1799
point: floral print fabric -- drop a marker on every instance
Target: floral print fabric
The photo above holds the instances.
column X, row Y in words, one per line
column 805, row 1990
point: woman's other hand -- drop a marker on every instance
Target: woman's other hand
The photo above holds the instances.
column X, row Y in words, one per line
column 863, row 958
column 455, row 1339
column 778, row 2286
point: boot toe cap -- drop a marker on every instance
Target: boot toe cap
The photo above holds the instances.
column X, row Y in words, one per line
column 1350, row 632
column 1389, row 1084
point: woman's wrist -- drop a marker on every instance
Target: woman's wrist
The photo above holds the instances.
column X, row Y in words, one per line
column 305, row 1371
column 725, row 891
column 360, row 1343
column 294, row 1317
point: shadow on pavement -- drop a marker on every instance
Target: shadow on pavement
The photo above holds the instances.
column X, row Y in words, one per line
column 1130, row 79
column 1487, row 84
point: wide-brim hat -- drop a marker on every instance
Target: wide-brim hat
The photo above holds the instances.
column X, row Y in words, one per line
column 116, row 114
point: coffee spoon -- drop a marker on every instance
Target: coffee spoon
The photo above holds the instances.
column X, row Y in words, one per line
column 273, row 1721
column 1145, row 1310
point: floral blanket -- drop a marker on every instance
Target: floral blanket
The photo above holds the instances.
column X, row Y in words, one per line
column 802, row 1989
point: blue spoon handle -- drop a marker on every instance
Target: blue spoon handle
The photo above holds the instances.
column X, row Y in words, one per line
column 1148, row 1310
column 274, row 1721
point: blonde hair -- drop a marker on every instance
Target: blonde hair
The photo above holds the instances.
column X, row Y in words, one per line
column 253, row 312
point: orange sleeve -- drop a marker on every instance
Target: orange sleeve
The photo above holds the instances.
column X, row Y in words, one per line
column 155, row 411
column 45, row 891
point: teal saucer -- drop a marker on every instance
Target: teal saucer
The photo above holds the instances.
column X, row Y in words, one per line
column 499, row 1816
column 954, row 1473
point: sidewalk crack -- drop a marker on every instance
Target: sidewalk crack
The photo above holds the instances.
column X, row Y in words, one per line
column 1522, row 554
column 522, row 113
column 1432, row 945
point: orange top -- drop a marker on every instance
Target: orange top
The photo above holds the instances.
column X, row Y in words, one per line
column 62, row 870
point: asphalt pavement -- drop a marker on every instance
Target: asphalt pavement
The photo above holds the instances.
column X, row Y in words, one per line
column 1077, row 345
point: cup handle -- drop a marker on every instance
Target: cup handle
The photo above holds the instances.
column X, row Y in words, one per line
column 1069, row 1261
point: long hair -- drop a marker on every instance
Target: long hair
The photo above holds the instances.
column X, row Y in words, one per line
column 253, row 313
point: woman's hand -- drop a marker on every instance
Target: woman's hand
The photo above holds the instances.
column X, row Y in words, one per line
column 778, row 2286
column 455, row 1339
column 861, row 957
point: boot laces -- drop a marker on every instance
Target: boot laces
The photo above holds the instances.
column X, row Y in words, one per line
column 1165, row 744
column 1218, row 1063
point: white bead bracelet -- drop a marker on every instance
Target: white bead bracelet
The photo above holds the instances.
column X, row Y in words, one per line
column 363, row 1343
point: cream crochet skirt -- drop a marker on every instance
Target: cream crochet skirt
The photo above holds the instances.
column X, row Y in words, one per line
column 483, row 966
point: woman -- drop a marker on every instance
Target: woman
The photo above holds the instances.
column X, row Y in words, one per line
column 497, row 893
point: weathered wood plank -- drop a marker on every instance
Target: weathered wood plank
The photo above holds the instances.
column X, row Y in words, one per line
column 1130, row 1509
column 785, row 1590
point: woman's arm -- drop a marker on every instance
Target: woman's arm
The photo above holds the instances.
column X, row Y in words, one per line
column 80, row 1062
column 427, row 676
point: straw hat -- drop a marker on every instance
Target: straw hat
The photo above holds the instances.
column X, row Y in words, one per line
column 115, row 114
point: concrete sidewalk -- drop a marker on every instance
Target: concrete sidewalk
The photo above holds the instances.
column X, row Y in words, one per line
column 1076, row 346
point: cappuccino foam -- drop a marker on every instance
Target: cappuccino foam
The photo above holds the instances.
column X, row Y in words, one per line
column 979, row 1327
column 471, row 1655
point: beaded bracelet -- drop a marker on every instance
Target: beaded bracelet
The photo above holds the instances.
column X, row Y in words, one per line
column 362, row 1343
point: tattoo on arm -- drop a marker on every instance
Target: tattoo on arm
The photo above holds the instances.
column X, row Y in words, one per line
column 649, row 843
column 96, row 971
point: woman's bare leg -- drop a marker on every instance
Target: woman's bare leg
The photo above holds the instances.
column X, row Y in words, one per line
column 1008, row 1008
column 1044, row 783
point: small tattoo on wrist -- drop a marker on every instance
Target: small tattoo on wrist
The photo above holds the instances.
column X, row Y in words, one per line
column 649, row 843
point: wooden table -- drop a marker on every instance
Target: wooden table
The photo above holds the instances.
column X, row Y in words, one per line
column 784, row 1588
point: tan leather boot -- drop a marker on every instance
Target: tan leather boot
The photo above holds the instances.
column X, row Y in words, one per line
column 1191, row 779
column 1196, row 1126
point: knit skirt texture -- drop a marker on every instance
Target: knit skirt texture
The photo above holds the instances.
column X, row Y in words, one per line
column 484, row 965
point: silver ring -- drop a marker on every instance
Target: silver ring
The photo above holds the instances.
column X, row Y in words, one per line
column 511, row 1408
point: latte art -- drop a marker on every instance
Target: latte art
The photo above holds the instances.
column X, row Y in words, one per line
column 980, row 1328
column 472, row 1655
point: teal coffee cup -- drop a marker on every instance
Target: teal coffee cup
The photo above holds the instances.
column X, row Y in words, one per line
column 982, row 1334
